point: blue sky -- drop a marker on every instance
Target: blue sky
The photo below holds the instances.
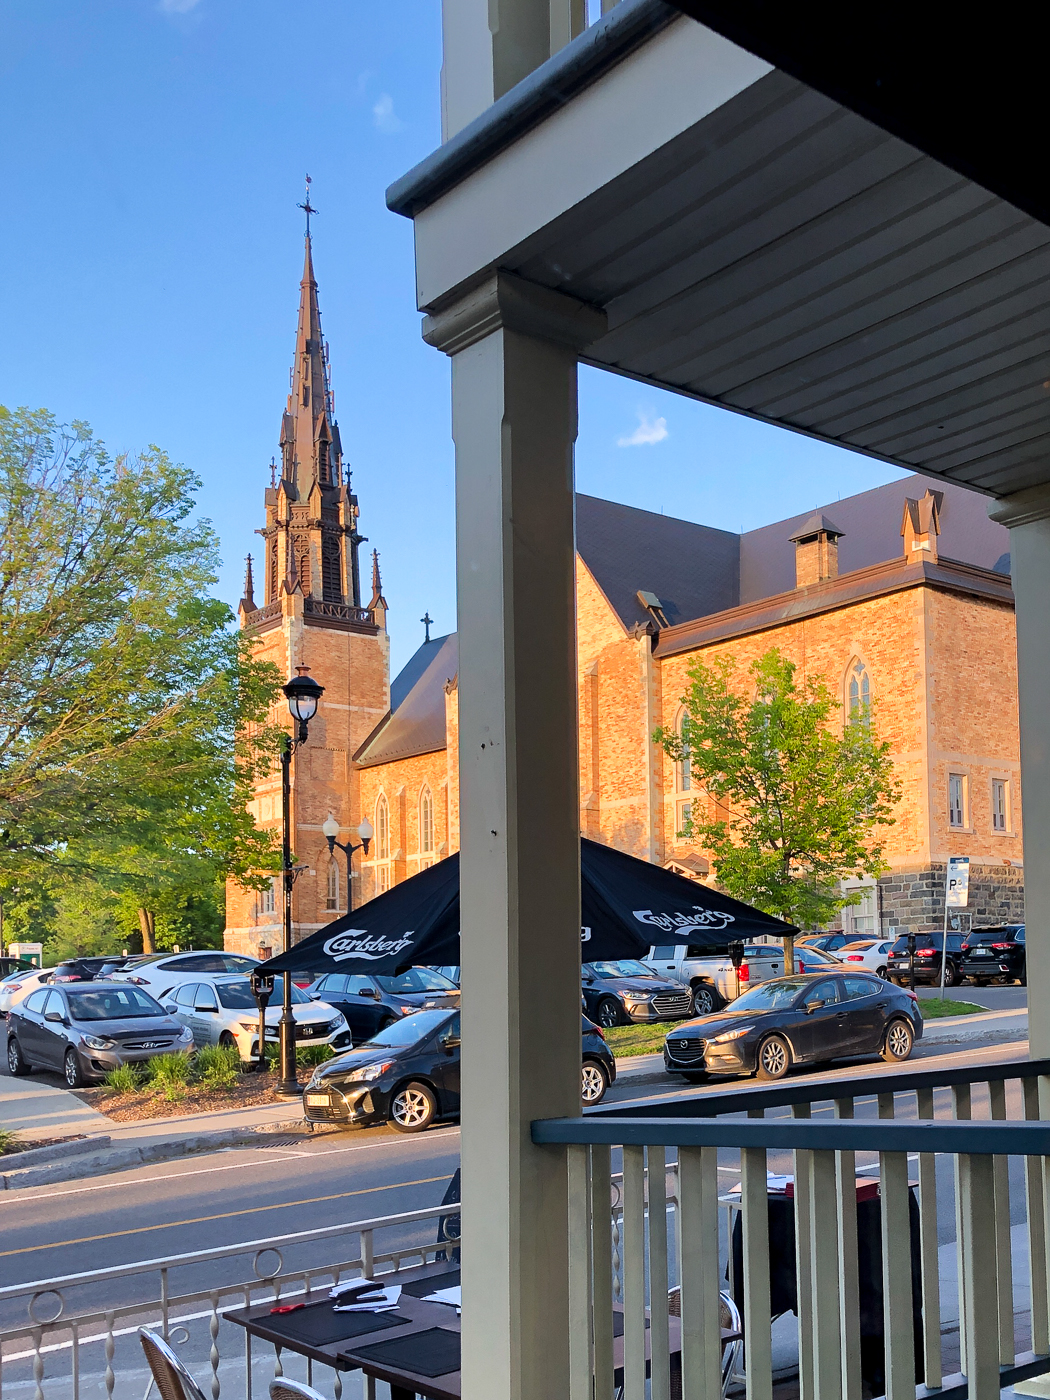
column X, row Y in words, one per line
column 153, row 156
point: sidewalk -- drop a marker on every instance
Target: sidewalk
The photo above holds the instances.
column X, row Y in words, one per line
column 39, row 1111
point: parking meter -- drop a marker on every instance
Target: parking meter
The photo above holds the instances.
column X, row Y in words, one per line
column 736, row 957
column 911, row 961
column 262, row 991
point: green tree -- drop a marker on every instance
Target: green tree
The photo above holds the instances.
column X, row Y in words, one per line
column 801, row 795
column 133, row 715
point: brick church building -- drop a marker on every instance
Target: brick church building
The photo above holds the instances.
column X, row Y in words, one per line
column 899, row 597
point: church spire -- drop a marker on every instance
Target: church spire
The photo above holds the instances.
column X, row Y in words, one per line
column 310, row 447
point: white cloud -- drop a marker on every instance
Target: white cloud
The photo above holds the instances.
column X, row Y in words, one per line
column 650, row 430
column 384, row 117
column 177, row 7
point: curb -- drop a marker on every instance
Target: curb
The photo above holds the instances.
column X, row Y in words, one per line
column 123, row 1158
column 58, row 1150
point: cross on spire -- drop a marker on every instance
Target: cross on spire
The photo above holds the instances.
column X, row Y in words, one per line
column 307, row 207
column 427, row 622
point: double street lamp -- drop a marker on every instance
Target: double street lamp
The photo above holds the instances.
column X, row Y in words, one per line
column 331, row 830
column 302, row 693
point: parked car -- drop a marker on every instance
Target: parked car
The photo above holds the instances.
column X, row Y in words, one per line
column 222, row 1011
column 79, row 969
column 927, row 959
column 449, row 970
column 83, row 1032
column 871, row 954
column 711, row 977
column 9, row 965
column 159, row 972
column 995, row 955
column 408, row 1075
column 794, row 1021
column 16, row 986
column 370, row 1002
column 617, row 992
column 827, row 942
column 809, row 959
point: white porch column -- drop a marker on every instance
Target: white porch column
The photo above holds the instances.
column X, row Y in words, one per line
column 513, row 349
column 489, row 45
column 1027, row 514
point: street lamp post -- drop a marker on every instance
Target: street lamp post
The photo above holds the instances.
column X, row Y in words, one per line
column 331, row 830
column 302, row 693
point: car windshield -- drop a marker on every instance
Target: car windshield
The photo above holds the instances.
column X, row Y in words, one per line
column 622, row 967
column 112, row 1003
column 923, row 941
column 417, row 979
column 408, row 1031
column 772, row 996
column 816, row 955
column 237, row 996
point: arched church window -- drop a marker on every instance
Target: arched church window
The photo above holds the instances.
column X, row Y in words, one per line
column 331, row 572
column 332, row 894
column 302, row 562
column 859, row 688
column 426, row 821
column 685, row 771
column 382, row 825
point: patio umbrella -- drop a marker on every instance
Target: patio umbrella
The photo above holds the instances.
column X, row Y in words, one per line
column 627, row 906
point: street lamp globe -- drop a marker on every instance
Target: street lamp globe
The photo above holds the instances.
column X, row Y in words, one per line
column 303, row 693
column 330, row 827
column 366, row 830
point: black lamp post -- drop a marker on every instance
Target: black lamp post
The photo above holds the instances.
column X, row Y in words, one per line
column 302, row 693
column 366, row 831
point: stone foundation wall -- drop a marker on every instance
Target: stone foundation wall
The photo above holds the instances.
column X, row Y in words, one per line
column 914, row 899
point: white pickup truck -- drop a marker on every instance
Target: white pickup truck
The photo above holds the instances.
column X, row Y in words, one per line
column 712, row 976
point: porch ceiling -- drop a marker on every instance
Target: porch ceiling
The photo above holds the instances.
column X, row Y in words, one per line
column 788, row 259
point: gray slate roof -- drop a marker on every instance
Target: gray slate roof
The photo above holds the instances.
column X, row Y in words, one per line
column 416, row 723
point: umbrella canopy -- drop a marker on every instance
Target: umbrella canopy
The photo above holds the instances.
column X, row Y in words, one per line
column 627, row 905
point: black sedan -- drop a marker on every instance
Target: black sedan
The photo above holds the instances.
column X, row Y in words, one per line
column 620, row 991
column 797, row 1020
column 85, row 1031
column 408, row 1075
column 370, row 1003
column 995, row 955
column 927, row 959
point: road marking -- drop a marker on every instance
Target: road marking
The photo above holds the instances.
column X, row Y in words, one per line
column 225, row 1215
column 23, row 1197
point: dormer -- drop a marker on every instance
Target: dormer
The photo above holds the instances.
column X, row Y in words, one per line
column 921, row 525
column 816, row 551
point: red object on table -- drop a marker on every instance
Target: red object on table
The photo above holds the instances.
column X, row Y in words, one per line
column 288, row 1307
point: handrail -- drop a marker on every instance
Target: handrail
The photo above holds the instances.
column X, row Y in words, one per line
column 991, row 1138
column 706, row 1102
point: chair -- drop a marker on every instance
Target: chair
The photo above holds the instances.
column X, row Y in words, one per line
column 729, row 1320
column 172, row 1380
column 282, row 1389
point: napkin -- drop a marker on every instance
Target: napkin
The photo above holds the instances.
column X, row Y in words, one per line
column 452, row 1296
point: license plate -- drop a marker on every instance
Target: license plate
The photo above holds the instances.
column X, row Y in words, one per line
column 320, row 1100
column 981, row 953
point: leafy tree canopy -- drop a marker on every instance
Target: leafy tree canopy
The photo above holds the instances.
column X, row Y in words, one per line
column 800, row 800
column 133, row 716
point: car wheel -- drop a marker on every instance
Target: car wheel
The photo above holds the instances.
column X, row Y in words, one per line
column 898, row 1042
column 412, row 1108
column 951, row 975
column 595, row 1081
column 705, row 999
column 883, row 973
column 74, row 1074
column 774, row 1058
column 609, row 1013
column 228, row 1041
column 16, row 1064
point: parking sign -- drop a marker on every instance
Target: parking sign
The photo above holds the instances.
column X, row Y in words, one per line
column 958, row 887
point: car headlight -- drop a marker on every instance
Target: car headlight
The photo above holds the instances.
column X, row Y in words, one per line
column 364, row 1072
column 97, row 1042
column 184, row 1033
column 731, row 1035
column 640, row 998
column 248, row 1025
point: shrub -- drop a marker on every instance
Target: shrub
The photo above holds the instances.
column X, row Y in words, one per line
column 125, row 1079
column 6, row 1139
column 217, row 1066
column 313, row 1054
column 169, row 1073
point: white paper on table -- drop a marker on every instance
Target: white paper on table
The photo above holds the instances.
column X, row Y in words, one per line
column 452, row 1296
column 384, row 1301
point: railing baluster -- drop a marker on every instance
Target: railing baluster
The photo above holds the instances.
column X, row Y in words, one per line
column 820, row 1172
column 961, row 1109
column 602, row 1270
column 38, row 1365
column 580, row 1293
column 659, row 1346
column 897, row 1320
column 849, row 1282
column 1037, row 1240
column 928, row 1254
column 1003, row 1251
column 886, row 1105
column 76, row 1361
column 754, row 1207
column 367, row 1254
column 698, row 1248
column 634, row 1273
column 803, row 1265
column 980, row 1323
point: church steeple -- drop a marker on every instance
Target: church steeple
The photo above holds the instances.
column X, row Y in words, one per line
column 310, row 447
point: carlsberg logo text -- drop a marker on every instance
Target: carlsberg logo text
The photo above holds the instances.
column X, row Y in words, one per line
column 356, row 943
column 703, row 918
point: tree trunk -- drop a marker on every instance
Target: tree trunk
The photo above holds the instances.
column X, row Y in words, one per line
column 148, row 925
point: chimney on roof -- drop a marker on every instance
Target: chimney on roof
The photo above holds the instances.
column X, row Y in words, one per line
column 816, row 551
column 921, row 525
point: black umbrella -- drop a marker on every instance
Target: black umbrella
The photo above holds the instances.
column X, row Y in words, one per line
column 628, row 905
